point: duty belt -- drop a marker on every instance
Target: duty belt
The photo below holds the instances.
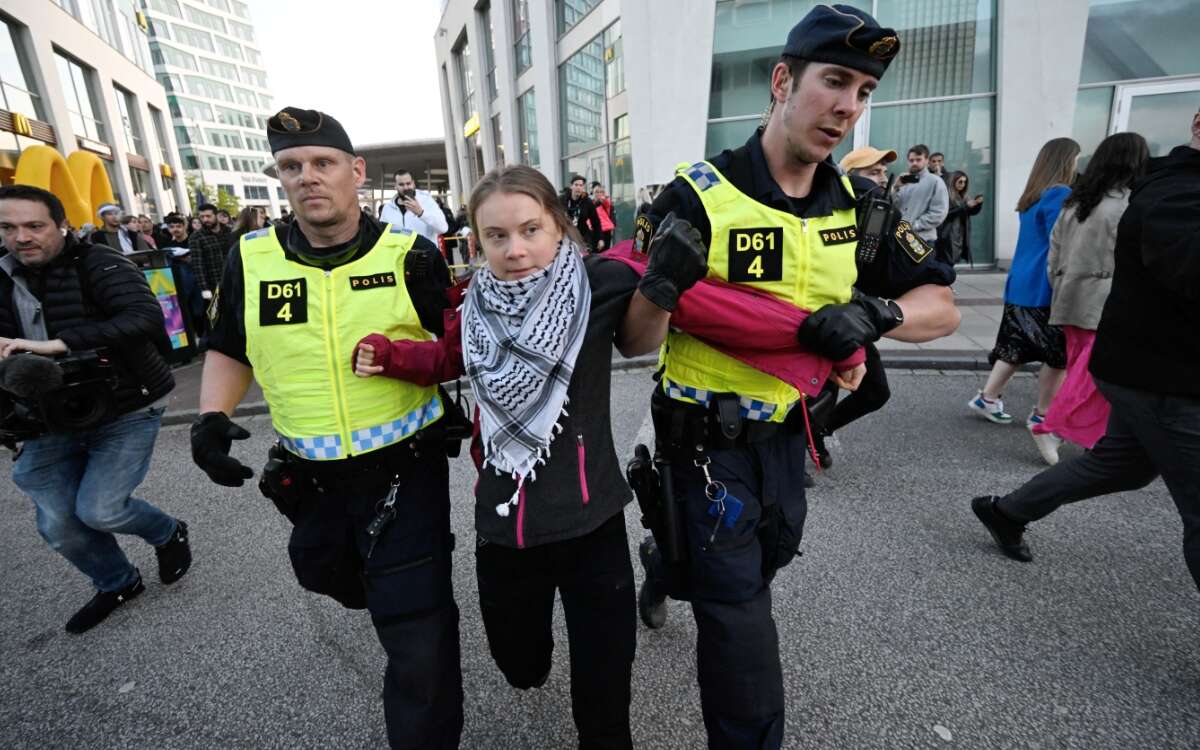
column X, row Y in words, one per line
column 718, row 425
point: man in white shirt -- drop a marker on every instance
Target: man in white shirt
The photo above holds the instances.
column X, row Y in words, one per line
column 414, row 209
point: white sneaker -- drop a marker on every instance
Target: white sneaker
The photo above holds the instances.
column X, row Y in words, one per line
column 992, row 411
column 1047, row 444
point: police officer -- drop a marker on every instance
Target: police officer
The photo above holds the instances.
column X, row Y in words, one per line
column 360, row 466
column 777, row 215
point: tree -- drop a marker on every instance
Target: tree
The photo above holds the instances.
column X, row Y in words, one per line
column 217, row 196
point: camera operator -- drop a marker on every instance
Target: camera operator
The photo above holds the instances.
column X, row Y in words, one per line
column 61, row 296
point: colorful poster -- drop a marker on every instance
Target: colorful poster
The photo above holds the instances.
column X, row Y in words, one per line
column 162, row 283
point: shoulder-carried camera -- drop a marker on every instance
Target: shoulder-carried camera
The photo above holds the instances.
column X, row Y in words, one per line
column 40, row 395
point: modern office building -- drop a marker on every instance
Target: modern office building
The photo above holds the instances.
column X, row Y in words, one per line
column 621, row 91
column 205, row 57
column 76, row 75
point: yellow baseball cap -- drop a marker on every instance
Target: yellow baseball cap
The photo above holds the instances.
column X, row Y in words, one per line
column 863, row 157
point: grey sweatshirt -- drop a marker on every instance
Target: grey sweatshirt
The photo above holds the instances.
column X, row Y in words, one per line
column 924, row 204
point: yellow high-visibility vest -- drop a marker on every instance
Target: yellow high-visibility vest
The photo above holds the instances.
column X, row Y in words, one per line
column 301, row 327
column 807, row 262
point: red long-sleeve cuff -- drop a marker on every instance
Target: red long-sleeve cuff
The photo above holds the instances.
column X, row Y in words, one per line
column 421, row 362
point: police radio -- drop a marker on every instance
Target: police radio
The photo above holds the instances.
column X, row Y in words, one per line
column 872, row 224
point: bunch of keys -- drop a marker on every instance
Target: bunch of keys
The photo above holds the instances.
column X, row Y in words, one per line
column 721, row 505
column 385, row 511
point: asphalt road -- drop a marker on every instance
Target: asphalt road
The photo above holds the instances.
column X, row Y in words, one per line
column 901, row 626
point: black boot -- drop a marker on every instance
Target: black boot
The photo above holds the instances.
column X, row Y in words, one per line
column 174, row 555
column 823, row 456
column 652, row 605
column 1008, row 534
column 102, row 605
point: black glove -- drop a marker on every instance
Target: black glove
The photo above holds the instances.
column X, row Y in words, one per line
column 212, row 434
column 836, row 331
column 678, row 259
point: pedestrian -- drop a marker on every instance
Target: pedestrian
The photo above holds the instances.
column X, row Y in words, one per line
column 60, row 296
column 208, row 247
column 1146, row 363
column 937, row 164
column 146, row 228
column 194, row 225
column 224, row 222
column 1026, row 334
column 179, row 255
column 414, row 209
column 249, row 220
column 604, row 211
column 582, row 212
column 869, row 162
column 954, row 235
column 549, row 516
column 115, row 232
column 776, row 216
column 921, row 196
column 1081, row 257
column 360, row 468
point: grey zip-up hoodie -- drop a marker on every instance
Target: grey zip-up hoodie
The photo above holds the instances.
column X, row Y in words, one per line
column 924, row 204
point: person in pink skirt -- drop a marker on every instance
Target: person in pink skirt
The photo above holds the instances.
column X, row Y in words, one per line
column 1080, row 266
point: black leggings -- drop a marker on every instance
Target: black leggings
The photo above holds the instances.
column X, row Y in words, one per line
column 594, row 577
column 871, row 395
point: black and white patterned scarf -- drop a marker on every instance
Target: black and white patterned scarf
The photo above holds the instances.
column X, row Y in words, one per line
column 520, row 340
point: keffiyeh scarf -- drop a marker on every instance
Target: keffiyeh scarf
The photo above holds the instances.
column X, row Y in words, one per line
column 520, row 340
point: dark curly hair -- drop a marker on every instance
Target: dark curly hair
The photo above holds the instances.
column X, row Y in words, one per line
column 1119, row 160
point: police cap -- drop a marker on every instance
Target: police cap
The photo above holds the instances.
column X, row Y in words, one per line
column 843, row 35
column 291, row 127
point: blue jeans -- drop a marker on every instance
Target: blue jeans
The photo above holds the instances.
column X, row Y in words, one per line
column 81, row 484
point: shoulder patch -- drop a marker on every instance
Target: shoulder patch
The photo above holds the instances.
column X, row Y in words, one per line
column 392, row 228
column 703, row 175
column 258, row 233
column 643, row 231
column 914, row 246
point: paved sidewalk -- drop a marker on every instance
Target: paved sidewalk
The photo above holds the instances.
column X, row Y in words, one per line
column 979, row 296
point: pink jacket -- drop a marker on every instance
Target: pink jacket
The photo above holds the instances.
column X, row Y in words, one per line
column 714, row 311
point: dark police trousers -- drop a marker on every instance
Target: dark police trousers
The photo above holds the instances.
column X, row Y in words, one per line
column 594, row 576
column 1148, row 435
column 405, row 582
column 728, row 584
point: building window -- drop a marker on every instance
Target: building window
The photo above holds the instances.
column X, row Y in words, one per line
column 242, row 31
column 280, row 194
column 466, row 78
column 227, row 116
column 571, row 12
column 96, row 15
column 240, row 9
column 219, row 69
column 267, row 102
column 489, row 52
column 160, row 134
column 82, row 102
column 614, row 61
column 189, row 109
column 139, row 181
column 171, row 56
column 167, row 7
column 219, row 4
column 207, row 20
column 498, row 139
column 522, row 47
column 527, row 128
column 257, row 77
column 126, row 106
column 1128, row 40
column 229, row 48
column 253, row 56
column 257, row 192
column 198, row 86
column 225, row 139
column 581, row 86
column 194, row 38
column 188, row 134
column 16, row 94
column 227, row 189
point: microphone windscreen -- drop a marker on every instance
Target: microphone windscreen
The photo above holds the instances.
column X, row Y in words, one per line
column 29, row 375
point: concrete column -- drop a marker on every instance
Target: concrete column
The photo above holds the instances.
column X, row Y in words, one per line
column 543, row 38
column 668, row 50
column 142, row 122
column 506, row 65
column 1040, row 51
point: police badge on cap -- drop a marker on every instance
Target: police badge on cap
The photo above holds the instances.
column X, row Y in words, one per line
column 291, row 127
column 843, row 35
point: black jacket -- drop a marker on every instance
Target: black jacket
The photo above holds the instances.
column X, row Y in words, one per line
column 582, row 484
column 93, row 297
column 584, row 217
column 1147, row 338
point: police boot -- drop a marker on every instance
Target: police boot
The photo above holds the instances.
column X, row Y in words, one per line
column 652, row 604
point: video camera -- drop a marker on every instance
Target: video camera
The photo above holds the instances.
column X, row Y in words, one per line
column 40, row 395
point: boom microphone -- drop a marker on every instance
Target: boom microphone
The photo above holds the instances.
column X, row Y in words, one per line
column 29, row 375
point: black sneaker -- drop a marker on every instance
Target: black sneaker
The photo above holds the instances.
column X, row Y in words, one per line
column 1007, row 533
column 824, row 458
column 174, row 555
column 102, row 605
column 652, row 606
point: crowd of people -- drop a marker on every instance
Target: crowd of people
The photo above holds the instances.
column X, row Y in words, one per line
column 765, row 276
